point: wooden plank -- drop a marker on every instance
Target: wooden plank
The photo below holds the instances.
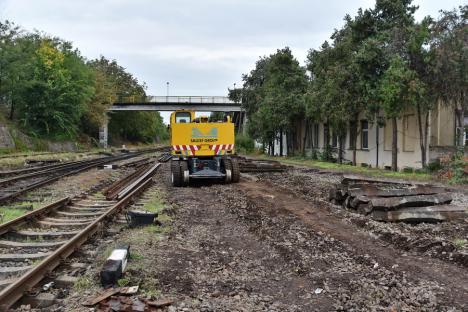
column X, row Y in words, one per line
column 350, row 178
column 44, row 234
column 422, row 214
column 6, row 282
column 79, row 214
column 12, row 270
column 47, row 224
column 106, row 294
column 68, row 220
column 22, row 257
column 6, row 243
column 376, row 191
column 391, row 203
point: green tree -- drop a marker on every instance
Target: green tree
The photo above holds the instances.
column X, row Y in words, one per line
column 273, row 97
column 54, row 99
column 112, row 82
column 422, row 60
column 400, row 88
column 450, row 45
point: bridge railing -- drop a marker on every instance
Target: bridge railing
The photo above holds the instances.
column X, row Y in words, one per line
column 173, row 99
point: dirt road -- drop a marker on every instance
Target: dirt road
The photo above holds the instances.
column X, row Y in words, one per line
column 260, row 246
column 273, row 243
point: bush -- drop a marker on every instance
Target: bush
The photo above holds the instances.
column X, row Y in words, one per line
column 455, row 168
column 459, row 168
column 327, row 154
column 244, row 143
column 315, row 154
column 434, row 166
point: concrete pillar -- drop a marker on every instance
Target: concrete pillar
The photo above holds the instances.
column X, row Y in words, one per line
column 244, row 122
column 103, row 134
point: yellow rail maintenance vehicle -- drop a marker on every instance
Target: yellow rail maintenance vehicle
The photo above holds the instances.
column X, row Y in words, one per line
column 202, row 149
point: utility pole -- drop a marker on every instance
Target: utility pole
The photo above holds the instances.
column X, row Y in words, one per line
column 167, row 87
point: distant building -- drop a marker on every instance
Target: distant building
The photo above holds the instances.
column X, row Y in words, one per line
column 374, row 143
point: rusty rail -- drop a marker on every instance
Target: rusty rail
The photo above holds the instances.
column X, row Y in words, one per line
column 112, row 191
column 26, row 282
column 73, row 169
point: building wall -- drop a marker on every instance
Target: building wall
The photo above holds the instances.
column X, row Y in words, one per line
column 379, row 150
column 442, row 126
column 378, row 153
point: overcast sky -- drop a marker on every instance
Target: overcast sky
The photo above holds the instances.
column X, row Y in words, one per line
column 200, row 46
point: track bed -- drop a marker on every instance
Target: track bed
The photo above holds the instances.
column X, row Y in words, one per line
column 273, row 242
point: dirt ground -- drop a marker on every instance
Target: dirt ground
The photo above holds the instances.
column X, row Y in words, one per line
column 274, row 243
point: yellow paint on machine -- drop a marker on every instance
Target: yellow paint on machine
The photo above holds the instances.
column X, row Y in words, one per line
column 197, row 135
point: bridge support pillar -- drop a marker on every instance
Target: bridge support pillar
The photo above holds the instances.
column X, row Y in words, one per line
column 244, row 123
column 103, row 134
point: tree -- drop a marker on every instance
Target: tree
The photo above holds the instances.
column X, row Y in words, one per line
column 399, row 88
column 54, row 99
column 112, row 81
column 421, row 60
column 450, row 45
column 340, row 78
column 17, row 51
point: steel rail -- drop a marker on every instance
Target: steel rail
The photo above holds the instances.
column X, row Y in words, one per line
column 78, row 170
column 26, row 282
column 54, row 169
column 112, row 191
column 37, row 168
column 147, row 175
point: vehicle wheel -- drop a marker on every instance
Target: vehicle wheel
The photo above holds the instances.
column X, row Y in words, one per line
column 176, row 176
column 184, row 173
column 235, row 170
column 227, row 170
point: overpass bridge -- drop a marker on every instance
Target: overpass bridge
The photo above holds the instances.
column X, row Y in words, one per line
column 172, row 103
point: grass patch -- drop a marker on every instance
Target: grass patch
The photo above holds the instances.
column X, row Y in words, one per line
column 157, row 229
column 416, row 175
column 82, row 284
column 8, row 212
column 123, row 282
column 156, row 203
column 149, row 289
column 135, row 256
column 459, row 242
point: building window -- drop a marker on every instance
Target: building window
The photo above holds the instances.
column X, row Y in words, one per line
column 364, row 134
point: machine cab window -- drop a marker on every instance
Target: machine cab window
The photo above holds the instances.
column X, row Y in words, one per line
column 183, row 117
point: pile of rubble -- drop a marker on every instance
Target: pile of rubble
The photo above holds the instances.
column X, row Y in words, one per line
column 256, row 165
column 118, row 299
column 391, row 200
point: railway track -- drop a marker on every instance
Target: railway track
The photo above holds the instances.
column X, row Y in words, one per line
column 32, row 245
column 32, row 178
